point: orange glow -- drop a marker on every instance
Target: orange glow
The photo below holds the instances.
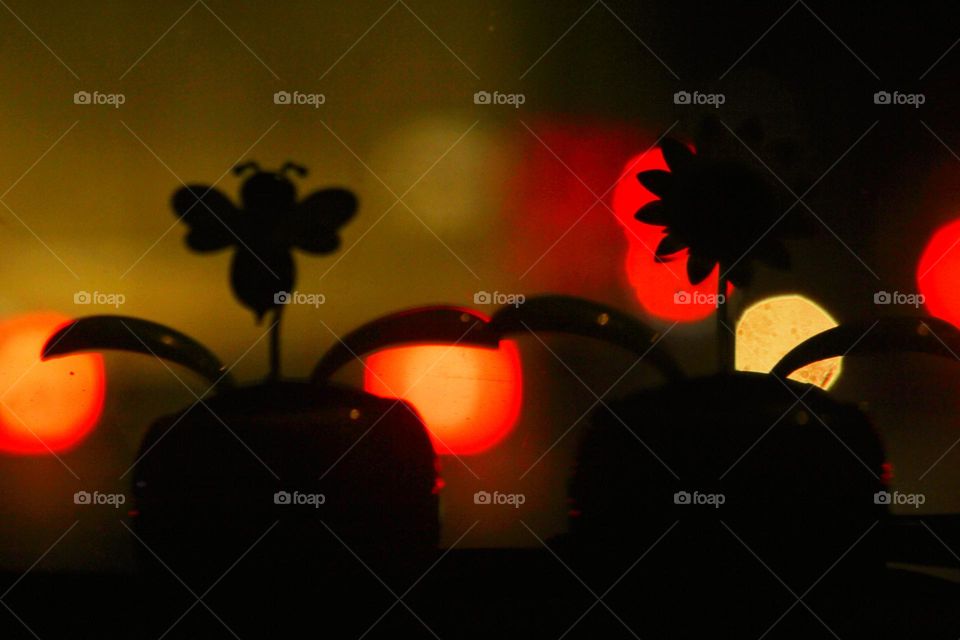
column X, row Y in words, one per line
column 469, row 397
column 46, row 406
column 656, row 284
column 938, row 273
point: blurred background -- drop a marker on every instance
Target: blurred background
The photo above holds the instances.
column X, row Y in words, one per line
column 457, row 197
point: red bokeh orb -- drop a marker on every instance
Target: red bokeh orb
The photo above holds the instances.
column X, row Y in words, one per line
column 45, row 406
column 469, row 397
column 938, row 273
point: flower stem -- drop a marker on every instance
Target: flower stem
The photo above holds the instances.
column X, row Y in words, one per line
column 725, row 346
column 275, row 345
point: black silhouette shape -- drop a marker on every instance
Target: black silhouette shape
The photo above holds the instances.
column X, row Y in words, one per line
column 802, row 496
column 264, row 230
column 799, row 499
column 237, row 460
column 547, row 313
column 203, row 498
column 206, row 489
column 724, row 209
column 716, row 209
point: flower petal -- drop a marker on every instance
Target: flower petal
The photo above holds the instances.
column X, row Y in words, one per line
column 677, row 154
column 656, row 181
column 669, row 245
column 653, row 213
column 698, row 268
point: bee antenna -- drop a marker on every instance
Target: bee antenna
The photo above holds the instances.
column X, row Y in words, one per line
column 240, row 169
column 300, row 170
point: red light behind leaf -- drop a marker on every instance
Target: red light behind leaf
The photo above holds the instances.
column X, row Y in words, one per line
column 469, row 397
column 46, row 406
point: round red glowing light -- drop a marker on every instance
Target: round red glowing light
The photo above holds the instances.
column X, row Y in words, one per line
column 469, row 397
column 45, row 406
column 938, row 273
column 663, row 289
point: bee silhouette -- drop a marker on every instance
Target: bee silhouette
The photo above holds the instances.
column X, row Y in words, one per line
column 267, row 227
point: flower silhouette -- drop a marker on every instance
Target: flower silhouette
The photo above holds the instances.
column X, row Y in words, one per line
column 724, row 211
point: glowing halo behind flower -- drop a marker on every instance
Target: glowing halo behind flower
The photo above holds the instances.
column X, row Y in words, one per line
column 45, row 406
column 663, row 289
column 772, row 327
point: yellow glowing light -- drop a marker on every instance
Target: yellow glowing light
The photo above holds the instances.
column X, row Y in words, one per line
column 772, row 327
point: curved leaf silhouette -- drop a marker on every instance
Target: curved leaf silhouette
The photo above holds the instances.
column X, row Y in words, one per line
column 886, row 335
column 437, row 324
column 581, row 317
column 124, row 333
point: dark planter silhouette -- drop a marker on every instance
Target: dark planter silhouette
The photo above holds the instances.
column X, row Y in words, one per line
column 306, row 476
column 736, row 482
column 799, row 471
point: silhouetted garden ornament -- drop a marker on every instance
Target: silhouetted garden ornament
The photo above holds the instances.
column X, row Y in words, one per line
column 210, row 479
column 264, row 230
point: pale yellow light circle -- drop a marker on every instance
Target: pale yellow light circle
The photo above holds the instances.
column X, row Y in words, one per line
column 768, row 330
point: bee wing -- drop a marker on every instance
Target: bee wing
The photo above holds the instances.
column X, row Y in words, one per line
column 210, row 216
column 317, row 218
